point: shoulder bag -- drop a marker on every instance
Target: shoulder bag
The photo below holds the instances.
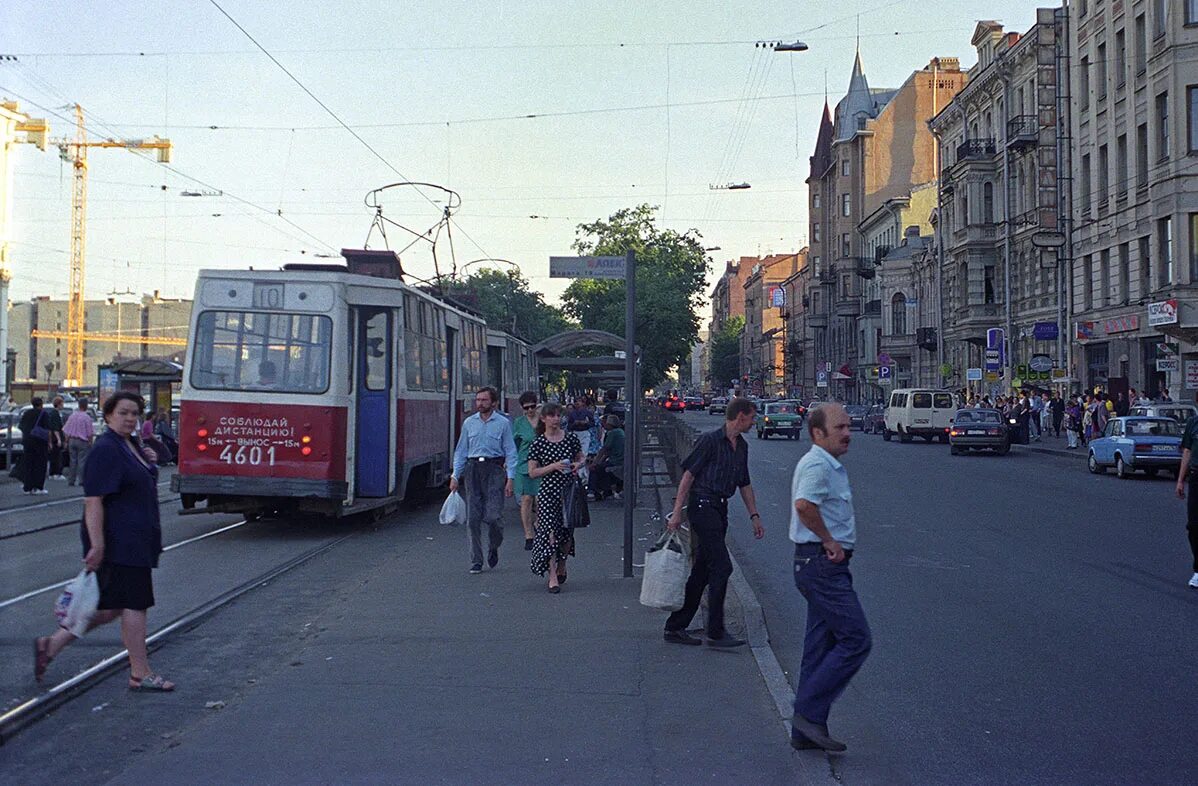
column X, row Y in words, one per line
column 39, row 431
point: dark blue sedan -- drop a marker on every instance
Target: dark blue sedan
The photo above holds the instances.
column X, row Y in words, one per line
column 1130, row 444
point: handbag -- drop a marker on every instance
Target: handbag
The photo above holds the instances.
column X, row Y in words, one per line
column 39, row 431
column 667, row 568
column 574, row 504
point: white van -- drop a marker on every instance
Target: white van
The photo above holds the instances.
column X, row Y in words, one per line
column 919, row 412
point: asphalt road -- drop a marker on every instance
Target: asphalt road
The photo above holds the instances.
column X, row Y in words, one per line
column 1031, row 622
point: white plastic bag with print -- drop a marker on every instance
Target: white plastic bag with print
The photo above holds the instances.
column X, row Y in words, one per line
column 77, row 604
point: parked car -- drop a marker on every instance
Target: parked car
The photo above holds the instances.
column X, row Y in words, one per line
column 1130, row 444
column 979, row 429
column 694, row 402
column 675, row 404
column 9, row 430
column 718, row 406
column 1173, row 410
column 875, row 420
column 856, row 415
column 923, row 413
column 780, row 417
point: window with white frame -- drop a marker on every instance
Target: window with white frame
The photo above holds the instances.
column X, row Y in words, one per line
column 846, row 204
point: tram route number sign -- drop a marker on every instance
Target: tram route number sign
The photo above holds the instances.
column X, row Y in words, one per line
column 268, row 295
column 587, row 267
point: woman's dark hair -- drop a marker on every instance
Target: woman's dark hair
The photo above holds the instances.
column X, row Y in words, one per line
column 36, row 401
column 528, row 397
column 548, row 408
column 123, row 395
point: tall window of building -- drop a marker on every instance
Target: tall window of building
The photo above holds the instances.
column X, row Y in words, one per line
column 846, row 247
column 1160, row 17
column 1145, row 251
column 1162, row 126
column 1164, row 230
column 1120, row 57
column 1088, row 281
column 1083, row 79
column 1104, row 273
column 1193, row 246
column 898, row 315
column 815, row 201
column 1085, row 189
column 844, row 167
column 1192, row 12
column 1124, row 274
column 1121, row 173
column 816, row 265
column 815, row 233
column 846, row 204
column 1104, row 168
column 1192, row 116
column 1100, row 74
column 989, row 294
column 1141, row 52
column 987, row 203
column 1142, row 156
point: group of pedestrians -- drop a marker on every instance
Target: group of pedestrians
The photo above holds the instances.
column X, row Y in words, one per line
column 1081, row 417
column 536, row 455
column 52, row 441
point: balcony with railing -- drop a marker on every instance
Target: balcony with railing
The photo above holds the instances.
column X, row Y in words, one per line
column 976, row 150
column 848, row 305
column 866, row 267
column 1023, row 131
column 827, row 275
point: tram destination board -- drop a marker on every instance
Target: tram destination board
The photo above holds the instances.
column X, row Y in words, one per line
column 268, row 294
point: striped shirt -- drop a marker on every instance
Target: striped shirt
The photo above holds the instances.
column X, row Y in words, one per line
column 79, row 425
column 718, row 468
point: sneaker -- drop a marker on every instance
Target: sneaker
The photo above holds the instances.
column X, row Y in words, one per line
column 1194, row 581
column 617, row 496
column 40, row 491
column 476, row 567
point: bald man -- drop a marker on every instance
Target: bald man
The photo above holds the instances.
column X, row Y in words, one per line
column 824, row 532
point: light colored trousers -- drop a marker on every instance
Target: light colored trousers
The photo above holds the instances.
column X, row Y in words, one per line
column 77, row 449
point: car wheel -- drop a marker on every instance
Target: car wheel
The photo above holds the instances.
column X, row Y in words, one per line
column 759, row 433
column 1121, row 470
column 1093, row 465
column 1151, row 472
column 886, row 435
column 953, row 450
column 1004, row 450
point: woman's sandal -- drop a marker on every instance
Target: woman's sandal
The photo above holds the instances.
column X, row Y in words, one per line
column 555, row 590
column 151, row 682
column 41, row 659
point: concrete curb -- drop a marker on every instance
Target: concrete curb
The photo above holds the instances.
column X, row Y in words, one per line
column 1080, row 453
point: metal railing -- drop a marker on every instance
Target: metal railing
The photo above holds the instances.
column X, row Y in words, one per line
column 972, row 149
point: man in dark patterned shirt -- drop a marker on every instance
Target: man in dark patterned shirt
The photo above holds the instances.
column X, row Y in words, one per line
column 715, row 469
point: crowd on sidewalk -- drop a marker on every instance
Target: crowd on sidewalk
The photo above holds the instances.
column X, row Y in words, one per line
column 1081, row 417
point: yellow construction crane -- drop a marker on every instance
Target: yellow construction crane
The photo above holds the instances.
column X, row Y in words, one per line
column 112, row 338
column 75, row 151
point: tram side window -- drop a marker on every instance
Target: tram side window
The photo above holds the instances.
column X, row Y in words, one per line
column 411, row 342
column 284, row 353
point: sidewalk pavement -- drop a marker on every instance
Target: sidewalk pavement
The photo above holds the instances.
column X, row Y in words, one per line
column 1054, row 446
column 383, row 661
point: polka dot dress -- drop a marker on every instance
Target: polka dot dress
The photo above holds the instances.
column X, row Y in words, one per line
column 551, row 524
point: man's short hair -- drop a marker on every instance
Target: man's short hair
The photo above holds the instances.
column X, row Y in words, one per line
column 528, row 397
column 738, row 406
column 817, row 418
column 490, row 391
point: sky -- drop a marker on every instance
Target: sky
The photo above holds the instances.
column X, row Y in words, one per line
column 539, row 115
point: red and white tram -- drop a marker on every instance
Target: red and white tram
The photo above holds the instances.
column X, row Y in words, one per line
column 322, row 389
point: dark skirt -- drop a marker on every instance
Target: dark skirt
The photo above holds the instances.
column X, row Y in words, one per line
column 125, row 587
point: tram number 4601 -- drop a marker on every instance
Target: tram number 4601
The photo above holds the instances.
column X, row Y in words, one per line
column 246, row 455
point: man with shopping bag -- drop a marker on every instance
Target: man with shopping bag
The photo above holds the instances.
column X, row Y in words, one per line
column 485, row 459
column 715, row 469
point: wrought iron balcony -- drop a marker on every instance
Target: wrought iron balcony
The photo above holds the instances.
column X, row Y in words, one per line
column 827, row 275
column 975, row 150
column 1023, row 131
column 925, row 337
column 866, row 267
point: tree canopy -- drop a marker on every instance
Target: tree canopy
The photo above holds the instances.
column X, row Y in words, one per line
column 725, row 352
column 506, row 302
column 670, row 279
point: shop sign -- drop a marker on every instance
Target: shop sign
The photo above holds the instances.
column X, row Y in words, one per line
column 1123, row 324
column 1192, row 374
column 1045, row 331
column 1084, row 332
column 1040, row 363
column 973, row 375
column 1162, row 313
column 1168, row 365
column 1059, row 374
column 991, row 376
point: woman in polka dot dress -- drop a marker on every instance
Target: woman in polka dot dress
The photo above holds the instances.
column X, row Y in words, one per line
column 554, row 457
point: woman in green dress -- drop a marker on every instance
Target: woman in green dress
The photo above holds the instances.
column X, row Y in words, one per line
column 524, row 432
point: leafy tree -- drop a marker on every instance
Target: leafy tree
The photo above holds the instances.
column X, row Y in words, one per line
column 670, row 279
column 506, row 302
column 725, row 352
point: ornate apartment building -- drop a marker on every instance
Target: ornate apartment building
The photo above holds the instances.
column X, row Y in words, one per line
column 763, row 345
column 874, row 149
column 1001, row 199
column 1135, row 207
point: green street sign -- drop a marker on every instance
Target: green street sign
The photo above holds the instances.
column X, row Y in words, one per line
column 1021, row 370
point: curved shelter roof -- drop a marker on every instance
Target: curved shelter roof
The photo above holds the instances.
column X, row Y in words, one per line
column 149, row 367
column 572, row 340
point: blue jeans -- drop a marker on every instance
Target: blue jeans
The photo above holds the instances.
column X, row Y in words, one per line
column 838, row 637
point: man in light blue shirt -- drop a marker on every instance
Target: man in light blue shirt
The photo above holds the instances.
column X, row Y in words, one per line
column 484, row 451
column 824, row 531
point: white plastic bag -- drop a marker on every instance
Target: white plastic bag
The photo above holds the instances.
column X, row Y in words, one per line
column 454, row 510
column 77, row 604
column 667, row 567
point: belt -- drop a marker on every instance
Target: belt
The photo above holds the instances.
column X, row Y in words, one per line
column 814, row 548
column 495, row 459
column 710, row 498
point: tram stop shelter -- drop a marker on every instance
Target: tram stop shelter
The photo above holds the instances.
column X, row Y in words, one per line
column 154, row 379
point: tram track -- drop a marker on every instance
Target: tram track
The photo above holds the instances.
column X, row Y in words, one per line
column 37, row 707
column 59, row 524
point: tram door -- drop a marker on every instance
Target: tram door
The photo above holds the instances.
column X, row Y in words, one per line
column 455, row 377
column 373, row 439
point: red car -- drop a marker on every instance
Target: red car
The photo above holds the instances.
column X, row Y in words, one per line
column 675, row 404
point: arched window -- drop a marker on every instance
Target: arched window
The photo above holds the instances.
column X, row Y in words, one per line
column 898, row 315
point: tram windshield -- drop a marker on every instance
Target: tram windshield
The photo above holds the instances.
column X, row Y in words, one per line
column 240, row 350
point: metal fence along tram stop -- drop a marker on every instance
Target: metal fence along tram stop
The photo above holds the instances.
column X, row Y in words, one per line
column 604, row 372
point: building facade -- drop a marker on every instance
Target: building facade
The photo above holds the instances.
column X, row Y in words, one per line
column 1135, row 206
column 1001, row 209
column 763, row 355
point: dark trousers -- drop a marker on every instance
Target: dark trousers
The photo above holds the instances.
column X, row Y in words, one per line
column 713, row 566
column 1057, row 419
column 34, row 458
column 57, row 454
column 838, row 637
column 484, row 503
column 1192, row 518
column 605, row 479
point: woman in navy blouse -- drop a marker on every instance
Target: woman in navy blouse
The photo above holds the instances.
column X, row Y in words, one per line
column 122, row 539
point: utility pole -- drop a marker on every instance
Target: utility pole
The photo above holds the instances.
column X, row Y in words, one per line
column 632, row 410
